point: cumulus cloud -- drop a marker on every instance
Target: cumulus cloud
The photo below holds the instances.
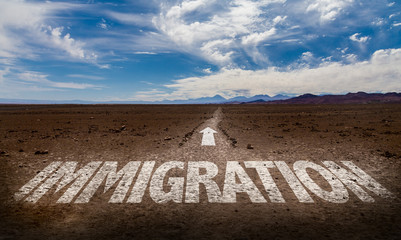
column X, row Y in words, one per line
column 380, row 73
column 357, row 38
column 68, row 44
column 217, row 30
column 328, row 9
column 307, row 56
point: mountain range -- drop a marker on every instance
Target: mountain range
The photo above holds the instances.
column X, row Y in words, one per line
column 349, row 98
column 217, row 99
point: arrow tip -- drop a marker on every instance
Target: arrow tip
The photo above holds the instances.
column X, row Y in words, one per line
column 208, row 130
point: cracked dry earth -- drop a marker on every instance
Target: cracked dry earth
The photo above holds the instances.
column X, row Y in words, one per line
column 33, row 137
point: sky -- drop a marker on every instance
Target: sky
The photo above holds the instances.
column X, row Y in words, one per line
column 173, row 50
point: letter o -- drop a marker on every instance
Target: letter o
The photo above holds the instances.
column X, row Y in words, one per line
column 338, row 194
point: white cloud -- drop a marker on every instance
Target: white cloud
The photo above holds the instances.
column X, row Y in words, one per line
column 25, row 30
column 328, row 9
column 145, row 53
column 217, row 30
column 379, row 22
column 356, row 38
column 146, row 82
column 207, row 70
column 218, row 50
column 68, row 44
column 350, row 58
column 103, row 66
column 256, row 38
column 397, row 24
column 151, row 95
column 380, row 73
column 73, row 85
column 41, row 80
column 33, row 77
column 103, row 26
column 307, row 56
column 279, row 19
column 186, row 7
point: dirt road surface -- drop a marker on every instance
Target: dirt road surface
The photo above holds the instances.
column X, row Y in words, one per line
column 34, row 136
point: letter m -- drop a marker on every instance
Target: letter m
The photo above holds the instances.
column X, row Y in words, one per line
column 109, row 172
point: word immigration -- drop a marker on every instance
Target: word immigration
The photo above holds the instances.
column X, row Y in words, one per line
column 168, row 180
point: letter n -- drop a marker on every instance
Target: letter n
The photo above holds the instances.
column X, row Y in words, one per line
column 353, row 180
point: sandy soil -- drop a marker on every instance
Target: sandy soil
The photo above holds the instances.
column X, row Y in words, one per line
column 368, row 135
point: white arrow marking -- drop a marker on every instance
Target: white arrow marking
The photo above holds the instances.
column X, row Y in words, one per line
column 208, row 137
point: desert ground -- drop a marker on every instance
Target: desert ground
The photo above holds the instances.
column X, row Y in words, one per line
column 34, row 136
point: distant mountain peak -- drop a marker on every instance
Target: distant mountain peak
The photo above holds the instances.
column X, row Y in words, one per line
column 307, row 95
column 217, row 96
column 357, row 94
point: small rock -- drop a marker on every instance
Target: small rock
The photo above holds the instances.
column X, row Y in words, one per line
column 249, row 146
column 5, row 154
column 114, row 130
column 91, row 118
column 21, row 150
column 41, row 152
column 167, row 138
column 123, row 127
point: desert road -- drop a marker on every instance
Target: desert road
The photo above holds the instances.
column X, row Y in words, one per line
column 200, row 172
